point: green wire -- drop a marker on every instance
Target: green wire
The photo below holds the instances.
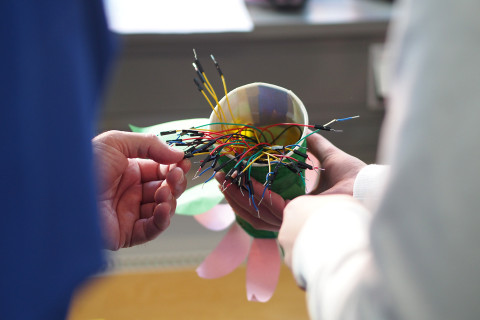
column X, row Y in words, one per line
column 298, row 142
column 250, row 159
column 303, row 179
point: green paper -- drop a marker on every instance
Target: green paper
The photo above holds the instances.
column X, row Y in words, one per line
column 205, row 196
column 199, row 199
column 286, row 184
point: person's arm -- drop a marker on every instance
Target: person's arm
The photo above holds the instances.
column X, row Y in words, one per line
column 325, row 239
column 417, row 259
column 427, row 223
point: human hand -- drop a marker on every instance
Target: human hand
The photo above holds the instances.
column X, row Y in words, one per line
column 338, row 177
column 296, row 214
column 140, row 179
column 340, row 168
column 270, row 209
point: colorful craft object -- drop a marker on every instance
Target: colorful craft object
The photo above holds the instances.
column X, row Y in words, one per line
column 255, row 131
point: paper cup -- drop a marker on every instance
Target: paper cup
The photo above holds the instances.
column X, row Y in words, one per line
column 261, row 104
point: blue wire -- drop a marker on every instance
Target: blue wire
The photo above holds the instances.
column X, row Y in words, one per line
column 213, row 175
column 264, row 189
column 205, row 171
column 253, row 201
column 269, row 173
column 343, row 119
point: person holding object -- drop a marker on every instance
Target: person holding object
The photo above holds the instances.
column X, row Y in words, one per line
column 339, row 175
column 406, row 248
column 138, row 189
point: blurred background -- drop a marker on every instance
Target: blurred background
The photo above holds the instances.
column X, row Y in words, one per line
column 328, row 52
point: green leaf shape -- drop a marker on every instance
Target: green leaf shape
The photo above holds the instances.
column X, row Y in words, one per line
column 199, row 199
column 287, row 184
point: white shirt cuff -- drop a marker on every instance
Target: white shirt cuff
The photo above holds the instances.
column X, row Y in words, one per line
column 370, row 181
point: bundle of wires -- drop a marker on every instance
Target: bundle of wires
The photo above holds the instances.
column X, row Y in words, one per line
column 237, row 147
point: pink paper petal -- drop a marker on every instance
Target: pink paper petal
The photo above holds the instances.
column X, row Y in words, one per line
column 227, row 256
column 263, row 269
column 218, row 218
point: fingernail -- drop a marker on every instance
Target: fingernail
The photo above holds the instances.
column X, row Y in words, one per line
column 182, row 177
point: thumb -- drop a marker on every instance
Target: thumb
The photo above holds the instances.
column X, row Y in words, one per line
column 320, row 147
column 140, row 145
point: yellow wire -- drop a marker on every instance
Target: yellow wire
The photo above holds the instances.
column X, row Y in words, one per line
column 212, row 92
column 226, row 97
column 268, row 159
column 208, row 90
column 201, row 153
column 251, row 162
column 214, row 96
column 256, row 137
column 272, row 155
column 211, row 105
column 269, row 166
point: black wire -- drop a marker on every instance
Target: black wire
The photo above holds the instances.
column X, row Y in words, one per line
column 285, row 130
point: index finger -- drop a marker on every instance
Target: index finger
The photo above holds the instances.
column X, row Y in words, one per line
column 152, row 171
column 141, row 145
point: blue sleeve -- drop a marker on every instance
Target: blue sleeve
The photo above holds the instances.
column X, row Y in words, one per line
column 54, row 60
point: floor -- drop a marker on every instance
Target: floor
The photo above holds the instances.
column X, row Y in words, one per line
column 181, row 294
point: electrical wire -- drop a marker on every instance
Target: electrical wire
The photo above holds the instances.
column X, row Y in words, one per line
column 244, row 144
